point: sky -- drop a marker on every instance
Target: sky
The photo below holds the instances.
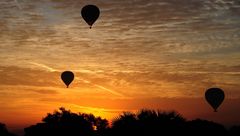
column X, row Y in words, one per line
column 158, row 54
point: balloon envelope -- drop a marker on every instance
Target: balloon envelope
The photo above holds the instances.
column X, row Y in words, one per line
column 214, row 97
column 67, row 77
column 90, row 14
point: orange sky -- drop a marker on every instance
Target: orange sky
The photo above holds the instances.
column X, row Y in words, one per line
column 139, row 54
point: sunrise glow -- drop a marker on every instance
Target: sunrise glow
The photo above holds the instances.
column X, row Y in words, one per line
column 139, row 54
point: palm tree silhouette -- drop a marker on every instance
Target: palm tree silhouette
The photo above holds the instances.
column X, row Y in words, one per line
column 148, row 122
column 143, row 123
column 66, row 123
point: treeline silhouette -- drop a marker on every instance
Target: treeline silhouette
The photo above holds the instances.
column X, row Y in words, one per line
column 4, row 131
column 143, row 123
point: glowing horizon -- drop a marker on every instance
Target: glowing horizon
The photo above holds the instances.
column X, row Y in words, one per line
column 139, row 54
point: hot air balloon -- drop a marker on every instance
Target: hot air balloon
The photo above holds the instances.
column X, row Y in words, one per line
column 67, row 77
column 214, row 97
column 90, row 14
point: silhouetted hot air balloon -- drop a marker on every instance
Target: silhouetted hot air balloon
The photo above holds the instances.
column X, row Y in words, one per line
column 214, row 97
column 67, row 77
column 90, row 14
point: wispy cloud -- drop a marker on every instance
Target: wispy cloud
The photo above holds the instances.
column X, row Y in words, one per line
column 136, row 49
column 50, row 69
column 133, row 47
column 102, row 87
column 205, row 72
column 97, row 109
column 44, row 67
column 109, row 90
column 18, row 4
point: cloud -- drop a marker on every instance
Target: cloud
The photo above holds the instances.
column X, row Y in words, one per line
column 43, row 91
column 139, row 54
column 28, row 77
column 47, row 76
column 18, row 5
column 135, row 30
column 98, row 109
column 44, row 66
column 135, row 48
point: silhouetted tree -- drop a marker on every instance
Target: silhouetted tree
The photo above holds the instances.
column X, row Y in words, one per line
column 153, row 122
column 102, row 126
column 125, row 124
column 234, row 131
column 66, row 123
column 142, row 123
column 4, row 131
column 157, row 123
column 200, row 127
column 147, row 123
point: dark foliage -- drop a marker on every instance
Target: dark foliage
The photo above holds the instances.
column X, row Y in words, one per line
column 4, row 131
column 66, row 123
column 203, row 127
column 234, row 131
column 148, row 122
column 143, row 123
